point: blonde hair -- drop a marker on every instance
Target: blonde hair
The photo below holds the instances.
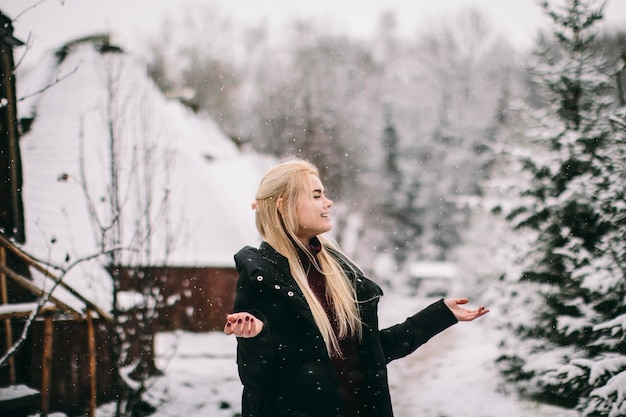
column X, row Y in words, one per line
column 285, row 183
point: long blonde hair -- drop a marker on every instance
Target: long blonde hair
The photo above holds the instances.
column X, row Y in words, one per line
column 287, row 181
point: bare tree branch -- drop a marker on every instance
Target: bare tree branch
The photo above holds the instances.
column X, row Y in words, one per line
column 30, row 8
column 27, row 45
column 52, row 84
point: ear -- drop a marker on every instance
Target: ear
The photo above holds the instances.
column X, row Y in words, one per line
column 279, row 204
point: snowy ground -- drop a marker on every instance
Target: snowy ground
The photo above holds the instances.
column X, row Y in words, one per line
column 452, row 375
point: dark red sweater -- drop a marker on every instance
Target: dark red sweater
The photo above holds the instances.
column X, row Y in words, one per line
column 348, row 367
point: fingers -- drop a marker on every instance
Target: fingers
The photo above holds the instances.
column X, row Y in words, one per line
column 236, row 325
column 481, row 311
column 463, row 314
column 453, row 303
column 242, row 325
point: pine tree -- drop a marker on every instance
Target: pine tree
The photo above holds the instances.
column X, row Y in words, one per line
column 574, row 350
column 400, row 206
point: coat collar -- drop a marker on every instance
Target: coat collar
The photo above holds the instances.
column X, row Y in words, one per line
column 366, row 289
column 272, row 255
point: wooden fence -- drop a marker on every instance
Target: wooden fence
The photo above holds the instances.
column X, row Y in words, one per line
column 60, row 343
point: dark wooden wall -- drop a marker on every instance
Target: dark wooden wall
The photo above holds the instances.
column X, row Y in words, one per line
column 200, row 298
column 69, row 390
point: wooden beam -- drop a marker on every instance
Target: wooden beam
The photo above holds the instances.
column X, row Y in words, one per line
column 46, row 366
column 8, row 330
column 29, row 260
column 91, row 344
column 28, row 284
column 24, row 310
column 12, row 136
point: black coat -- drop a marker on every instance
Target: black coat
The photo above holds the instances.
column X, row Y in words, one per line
column 286, row 370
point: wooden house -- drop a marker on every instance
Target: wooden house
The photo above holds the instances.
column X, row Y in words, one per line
column 167, row 153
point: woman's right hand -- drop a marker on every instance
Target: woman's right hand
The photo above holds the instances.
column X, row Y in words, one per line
column 243, row 325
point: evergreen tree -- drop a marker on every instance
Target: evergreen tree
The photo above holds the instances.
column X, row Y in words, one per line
column 574, row 349
column 400, row 206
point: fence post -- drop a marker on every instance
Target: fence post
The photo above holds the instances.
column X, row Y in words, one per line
column 8, row 330
column 91, row 342
column 46, row 366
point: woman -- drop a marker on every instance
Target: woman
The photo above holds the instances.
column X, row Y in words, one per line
column 308, row 342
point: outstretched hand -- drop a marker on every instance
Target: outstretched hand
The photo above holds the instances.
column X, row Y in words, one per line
column 243, row 325
column 463, row 314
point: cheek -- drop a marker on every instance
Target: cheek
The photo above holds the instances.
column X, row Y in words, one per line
column 308, row 218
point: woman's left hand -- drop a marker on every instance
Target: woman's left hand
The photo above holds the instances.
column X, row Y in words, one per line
column 243, row 325
column 463, row 314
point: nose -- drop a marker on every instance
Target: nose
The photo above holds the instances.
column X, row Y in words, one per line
column 329, row 202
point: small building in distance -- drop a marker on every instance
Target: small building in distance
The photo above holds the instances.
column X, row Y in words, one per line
column 432, row 279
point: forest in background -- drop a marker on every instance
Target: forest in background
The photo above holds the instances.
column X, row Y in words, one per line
column 407, row 132
column 401, row 130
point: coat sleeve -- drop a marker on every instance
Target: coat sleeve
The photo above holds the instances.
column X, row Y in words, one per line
column 404, row 338
column 255, row 359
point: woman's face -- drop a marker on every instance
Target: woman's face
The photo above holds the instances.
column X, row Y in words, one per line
column 313, row 211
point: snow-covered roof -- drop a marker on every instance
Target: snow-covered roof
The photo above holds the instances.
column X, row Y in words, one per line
column 184, row 187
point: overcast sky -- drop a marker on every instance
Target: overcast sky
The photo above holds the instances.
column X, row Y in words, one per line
column 50, row 23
